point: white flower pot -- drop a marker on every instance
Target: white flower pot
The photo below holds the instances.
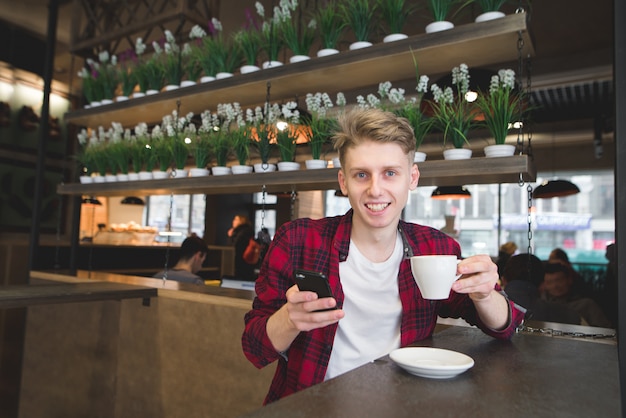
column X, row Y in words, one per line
column 121, row 98
column 110, row 178
column 122, row 177
column 138, row 94
column 106, row 102
column 419, row 157
column 180, row 173
column 299, row 58
column 288, row 166
column 392, row 37
column 457, row 154
column 85, row 179
column 336, row 162
column 245, row 69
column 220, row 170
column 499, row 150
column 187, row 83
column 198, row 172
column 223, row 74
column 158, row 174
column 99, row 179
column 439, row 26
column 171, row 87
column 359, row 45
column 94, row 104
column 315, row 164
column 133, row 176
column 271, row 64
column 145, row 175
column 483, row 17
column 207, row 78
column 327, row 51
column 150, row 92
column 241, row 169
column 264, row 168
column 87, row 106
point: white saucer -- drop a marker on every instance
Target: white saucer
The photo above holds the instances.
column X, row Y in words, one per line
column 435, row 363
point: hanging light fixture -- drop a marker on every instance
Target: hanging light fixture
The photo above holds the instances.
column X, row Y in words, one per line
column 133, row 200
column 91, row 200
column 450, row 192
column 555, row 188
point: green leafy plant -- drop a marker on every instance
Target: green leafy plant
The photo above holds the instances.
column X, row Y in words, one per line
column 271, row 36
column 394, row 13
column 286, row 131
column 441, row 9
column 320, row 125
column 125, row 72
column 500, row 104
column 453, row 114
column 490, row 5
column 297, row 36
column 172, row 60
column 330, row 24
column 248, row 40
column 359, row 16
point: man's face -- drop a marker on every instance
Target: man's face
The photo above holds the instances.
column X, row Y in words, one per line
column 377, row 178
column 557, row 284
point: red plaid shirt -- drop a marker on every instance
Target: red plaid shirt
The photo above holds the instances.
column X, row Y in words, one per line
column 320, row 245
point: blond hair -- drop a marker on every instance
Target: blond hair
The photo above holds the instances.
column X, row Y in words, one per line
column 360, row 125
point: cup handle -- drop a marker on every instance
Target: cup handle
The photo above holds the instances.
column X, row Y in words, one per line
column 458, row 275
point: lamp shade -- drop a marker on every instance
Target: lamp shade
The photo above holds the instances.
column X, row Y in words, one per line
column 91, row 200
column 555, row 188
column 450, row 192
column 133, row 200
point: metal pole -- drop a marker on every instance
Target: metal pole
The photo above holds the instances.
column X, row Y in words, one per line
column 53, row 9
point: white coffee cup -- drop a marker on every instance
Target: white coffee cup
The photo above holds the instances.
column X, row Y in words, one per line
column 434, row 274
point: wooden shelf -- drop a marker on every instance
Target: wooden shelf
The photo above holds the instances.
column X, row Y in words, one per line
column 476, row 44
column 433, row 173
column 29, row 295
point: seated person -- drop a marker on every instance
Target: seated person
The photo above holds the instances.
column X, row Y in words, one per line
column 520, row 278
column 192, row 254
column 558, row 287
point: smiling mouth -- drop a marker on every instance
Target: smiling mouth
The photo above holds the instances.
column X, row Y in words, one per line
column 377, row 207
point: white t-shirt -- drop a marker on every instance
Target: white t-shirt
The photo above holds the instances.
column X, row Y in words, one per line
column 371, row 326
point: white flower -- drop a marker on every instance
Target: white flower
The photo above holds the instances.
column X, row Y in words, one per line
column 169, row 37
column 422, row 85
column 157, row 133
column 259, row 9
column 157, row 48
column 196, row 32
column 140, row 47
column 290, row 112
column 217, row 25
column 341, row 99
column 103, row 56
column 460, row 78
column 82, row 137
column 141, row 129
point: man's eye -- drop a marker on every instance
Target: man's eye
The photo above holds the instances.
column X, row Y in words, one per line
column 360, row 175
column 391, row 173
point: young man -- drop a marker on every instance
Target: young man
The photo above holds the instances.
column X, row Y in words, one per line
column 192, row 254
column 365, row 255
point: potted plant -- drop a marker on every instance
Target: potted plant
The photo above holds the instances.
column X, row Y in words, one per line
column 394, row 13
column 162, row 156
column 330, row 26
column 359, row 16
column 271, row 37
column 191, row 67
column 225, row 56
column 286, row 134
column 248, row 40
column 202, row 146
column 440, row 11
column 499, row 107
column 90, row 88
column 320, row 127
column 490, row 10
column 126, row 74
column 453, row 114
column 120, row 151
column 172, row 62
column 85, row 157
column 140, row 70
column 260, row 122
column 297, row 36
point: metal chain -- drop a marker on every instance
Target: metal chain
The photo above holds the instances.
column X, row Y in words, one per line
column 169, row 237
column 529, row 219
column 551, row 332
column 263, row 194
column 292, row 213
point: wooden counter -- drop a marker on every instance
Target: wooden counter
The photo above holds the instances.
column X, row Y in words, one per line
column 530, row 376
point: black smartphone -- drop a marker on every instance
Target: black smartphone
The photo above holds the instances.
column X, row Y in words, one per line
column 314, row 282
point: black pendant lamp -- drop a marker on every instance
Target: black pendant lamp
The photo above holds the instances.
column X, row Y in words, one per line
column 91, row 200
column 133, row 200
column 450, row 192
column 555, row 188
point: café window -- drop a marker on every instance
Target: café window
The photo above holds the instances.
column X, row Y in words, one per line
column 187, row 215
